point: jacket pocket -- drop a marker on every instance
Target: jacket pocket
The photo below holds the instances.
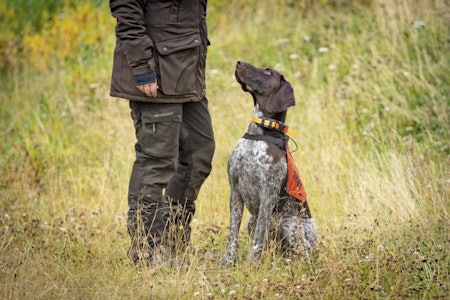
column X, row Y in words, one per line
column 177, row 61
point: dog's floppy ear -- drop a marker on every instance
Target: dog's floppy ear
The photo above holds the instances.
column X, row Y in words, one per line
column 281, row 99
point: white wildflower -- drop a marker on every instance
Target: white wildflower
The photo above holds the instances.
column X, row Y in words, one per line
column 283, row 41
column 279, row 67
column 214, row 71
column 418, row 24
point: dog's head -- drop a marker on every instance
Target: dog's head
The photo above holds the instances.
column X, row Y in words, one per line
column 270, row 91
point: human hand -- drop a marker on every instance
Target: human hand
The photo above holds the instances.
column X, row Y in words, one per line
column 150, row 89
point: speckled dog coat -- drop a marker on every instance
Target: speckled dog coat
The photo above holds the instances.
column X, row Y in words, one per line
column 257, row 172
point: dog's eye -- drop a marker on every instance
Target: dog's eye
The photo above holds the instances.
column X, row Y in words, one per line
column 268, row 71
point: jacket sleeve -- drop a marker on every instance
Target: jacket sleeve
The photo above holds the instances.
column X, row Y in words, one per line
column 132, row 33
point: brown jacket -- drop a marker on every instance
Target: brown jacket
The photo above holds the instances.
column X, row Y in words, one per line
column 167, row 37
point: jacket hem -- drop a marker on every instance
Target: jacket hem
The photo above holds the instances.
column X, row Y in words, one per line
column 156, row 99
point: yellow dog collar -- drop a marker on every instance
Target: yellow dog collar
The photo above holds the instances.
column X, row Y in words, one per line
column 273, row 124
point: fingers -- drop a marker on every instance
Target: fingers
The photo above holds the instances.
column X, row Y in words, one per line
column 150, row 89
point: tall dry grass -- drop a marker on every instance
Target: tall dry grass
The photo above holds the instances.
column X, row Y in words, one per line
column 371, row 119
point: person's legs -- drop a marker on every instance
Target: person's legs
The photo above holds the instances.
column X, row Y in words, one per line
column 194, row 165
column 157, row 131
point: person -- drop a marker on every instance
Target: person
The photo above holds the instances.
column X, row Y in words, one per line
column 159, row 66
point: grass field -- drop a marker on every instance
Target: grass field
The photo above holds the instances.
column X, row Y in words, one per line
column 371, row 80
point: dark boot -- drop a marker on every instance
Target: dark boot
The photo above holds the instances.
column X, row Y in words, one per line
column 147, row 225
column 179, row 234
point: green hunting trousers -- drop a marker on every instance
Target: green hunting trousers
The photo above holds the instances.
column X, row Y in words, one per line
column 174, row 149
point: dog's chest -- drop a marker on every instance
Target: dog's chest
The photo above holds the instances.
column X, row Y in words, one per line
column 255, row 173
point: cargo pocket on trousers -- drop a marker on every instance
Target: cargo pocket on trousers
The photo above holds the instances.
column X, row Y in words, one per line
column 177, row 62
column 161, row 130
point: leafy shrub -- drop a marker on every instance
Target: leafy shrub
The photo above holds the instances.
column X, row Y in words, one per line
column 38, row 31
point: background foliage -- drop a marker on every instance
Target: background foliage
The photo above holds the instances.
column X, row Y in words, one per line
column 371, row 82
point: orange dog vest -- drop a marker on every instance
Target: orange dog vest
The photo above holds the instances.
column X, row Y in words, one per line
column 294, row 186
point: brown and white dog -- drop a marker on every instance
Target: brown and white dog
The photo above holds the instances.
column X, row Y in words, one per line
column 258, row 172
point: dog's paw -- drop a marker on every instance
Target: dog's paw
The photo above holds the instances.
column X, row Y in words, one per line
column 298, row 236
column 309, row 238
column 256, row 253
column 229, row 260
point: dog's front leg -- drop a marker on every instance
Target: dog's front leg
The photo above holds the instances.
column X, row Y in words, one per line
column 262, row 226
column 236, row 211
